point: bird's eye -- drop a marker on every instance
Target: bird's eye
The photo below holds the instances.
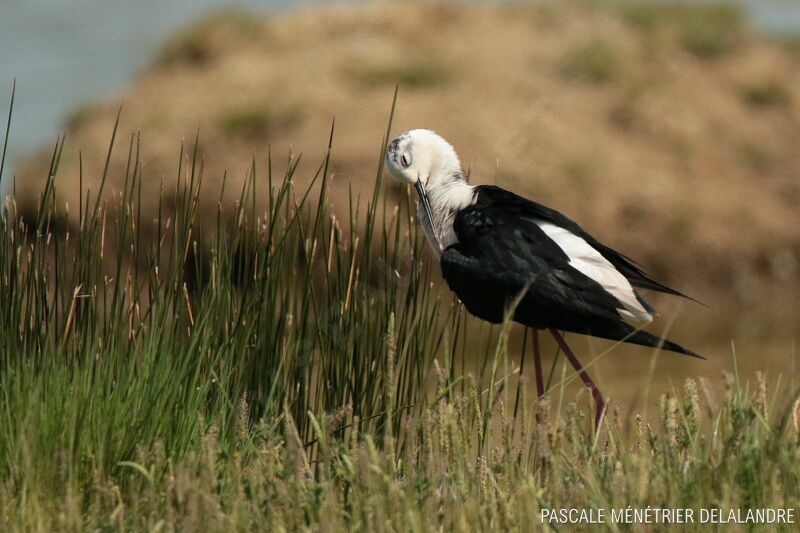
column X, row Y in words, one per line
column 405, row 160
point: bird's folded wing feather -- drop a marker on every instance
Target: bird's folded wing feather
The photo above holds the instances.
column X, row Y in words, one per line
column 513, row 203
column 512, row 251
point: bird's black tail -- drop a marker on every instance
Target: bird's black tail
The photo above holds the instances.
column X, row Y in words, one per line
column 620, row 331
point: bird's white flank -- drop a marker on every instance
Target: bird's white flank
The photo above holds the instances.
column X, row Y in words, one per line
column 585, row 259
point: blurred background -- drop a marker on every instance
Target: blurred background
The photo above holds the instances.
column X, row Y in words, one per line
column 68, row 54
column 668, row 129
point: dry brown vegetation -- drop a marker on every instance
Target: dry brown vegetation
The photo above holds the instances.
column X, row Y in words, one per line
column 671, row 132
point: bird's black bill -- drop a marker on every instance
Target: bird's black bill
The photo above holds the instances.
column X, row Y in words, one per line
column 423, row 197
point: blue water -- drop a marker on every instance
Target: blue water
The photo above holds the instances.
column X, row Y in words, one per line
column 65, row 53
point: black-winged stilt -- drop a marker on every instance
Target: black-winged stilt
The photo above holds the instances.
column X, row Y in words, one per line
column 496, row 247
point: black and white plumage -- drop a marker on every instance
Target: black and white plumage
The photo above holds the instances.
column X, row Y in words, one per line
column 495, row 246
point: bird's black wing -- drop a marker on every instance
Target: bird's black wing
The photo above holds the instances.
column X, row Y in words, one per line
column 513, row 203
column 503, row 254
column 499, row 255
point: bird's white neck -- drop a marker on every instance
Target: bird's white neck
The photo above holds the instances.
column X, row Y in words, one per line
column 447, row 197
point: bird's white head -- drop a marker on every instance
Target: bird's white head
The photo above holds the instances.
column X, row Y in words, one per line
column 422, row 156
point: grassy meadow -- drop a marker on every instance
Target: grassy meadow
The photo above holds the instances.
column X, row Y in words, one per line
column 290, row 370
column 669, row 129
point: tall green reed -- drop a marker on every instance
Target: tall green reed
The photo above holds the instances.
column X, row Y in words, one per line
column 118, row 332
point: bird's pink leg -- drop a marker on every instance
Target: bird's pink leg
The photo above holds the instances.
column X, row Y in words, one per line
column 537, row 363
column 598, row 396
column 537, row 367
